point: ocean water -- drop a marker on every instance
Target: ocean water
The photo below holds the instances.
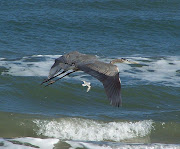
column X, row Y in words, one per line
column 34, row 33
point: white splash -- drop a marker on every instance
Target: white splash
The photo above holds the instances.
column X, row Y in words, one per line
column 88, row 84
column 90, row 130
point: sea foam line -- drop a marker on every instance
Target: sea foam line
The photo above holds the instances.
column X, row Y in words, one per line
column 28, row 143
column 156, row 70
column 90, row 145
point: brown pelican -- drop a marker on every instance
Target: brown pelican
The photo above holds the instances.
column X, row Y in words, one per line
column 107, row 73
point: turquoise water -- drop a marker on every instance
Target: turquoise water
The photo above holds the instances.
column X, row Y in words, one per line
column 34, row 33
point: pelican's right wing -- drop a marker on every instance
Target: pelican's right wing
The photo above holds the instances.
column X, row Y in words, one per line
column 108, row 74
column 56, row 66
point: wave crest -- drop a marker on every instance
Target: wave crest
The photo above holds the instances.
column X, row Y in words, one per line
column 84, row 129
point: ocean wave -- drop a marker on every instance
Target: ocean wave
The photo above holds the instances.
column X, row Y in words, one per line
column 90, row 130
column 163, row 70
column 79, row 132
column 94, row 145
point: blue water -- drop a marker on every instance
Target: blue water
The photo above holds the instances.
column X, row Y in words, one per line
column 34, row 33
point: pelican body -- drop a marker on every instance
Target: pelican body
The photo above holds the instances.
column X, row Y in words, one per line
column 107, row 73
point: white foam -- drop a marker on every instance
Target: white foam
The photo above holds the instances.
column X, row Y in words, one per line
column 21, row 143
column 89, row 145
column 2, row 59
column 90, row 130
column 33, row 143
column 162, row 70
column 152, row 70
column 23, row 68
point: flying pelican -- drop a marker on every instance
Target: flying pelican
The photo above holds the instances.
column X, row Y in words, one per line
column 107, row 73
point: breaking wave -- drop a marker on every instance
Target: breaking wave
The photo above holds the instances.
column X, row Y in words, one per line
column 164, row 70
column 90, row 130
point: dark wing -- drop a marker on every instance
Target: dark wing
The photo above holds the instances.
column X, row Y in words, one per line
column 68, row 60
column 108, row 74
column 76, row 57
column 56, row 67
column 112, row 87
column 64, row 59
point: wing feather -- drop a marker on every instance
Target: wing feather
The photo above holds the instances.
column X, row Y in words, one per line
column 108, row 74
column 67, row 60
column 54, row 70
column 56, row 66
column 112, row 87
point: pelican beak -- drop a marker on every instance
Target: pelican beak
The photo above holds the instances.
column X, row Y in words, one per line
column 134, row 63
column 128, row 61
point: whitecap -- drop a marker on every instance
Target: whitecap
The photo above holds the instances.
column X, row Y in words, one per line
column 2, row 59
column 164, row 71
column 90, row 130
column 23, row 68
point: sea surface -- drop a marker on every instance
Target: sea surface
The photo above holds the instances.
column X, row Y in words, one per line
column 33, row 33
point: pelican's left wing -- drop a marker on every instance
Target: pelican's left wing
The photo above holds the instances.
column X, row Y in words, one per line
column 108, row 74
